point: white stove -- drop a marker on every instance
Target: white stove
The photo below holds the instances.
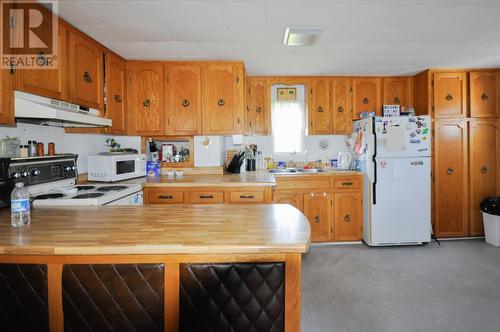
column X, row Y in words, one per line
column 52, row 182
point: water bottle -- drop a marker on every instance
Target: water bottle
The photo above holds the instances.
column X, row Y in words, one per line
column 20, row 214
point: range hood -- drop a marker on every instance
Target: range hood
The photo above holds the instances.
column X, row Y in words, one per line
column 31, row 108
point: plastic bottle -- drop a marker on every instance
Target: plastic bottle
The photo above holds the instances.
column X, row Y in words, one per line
column 153, row 150
column 20, row 210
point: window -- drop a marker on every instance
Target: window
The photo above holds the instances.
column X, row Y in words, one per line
column 288, row 125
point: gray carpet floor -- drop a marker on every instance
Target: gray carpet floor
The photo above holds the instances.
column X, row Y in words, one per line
column 455, row 287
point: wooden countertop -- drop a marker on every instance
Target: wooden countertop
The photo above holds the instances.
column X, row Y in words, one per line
column 174, row 229
column 247, row 179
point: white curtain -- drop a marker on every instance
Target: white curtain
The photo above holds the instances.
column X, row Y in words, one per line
column 288, row 126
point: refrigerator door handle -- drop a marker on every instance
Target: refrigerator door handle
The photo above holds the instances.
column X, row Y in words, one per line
column 374, row 189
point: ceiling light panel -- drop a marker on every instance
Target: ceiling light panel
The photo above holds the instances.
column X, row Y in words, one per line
column 295, row 36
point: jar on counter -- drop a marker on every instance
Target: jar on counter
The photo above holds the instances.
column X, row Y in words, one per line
column 52, row 149
column 31, row 148
column 23, row 151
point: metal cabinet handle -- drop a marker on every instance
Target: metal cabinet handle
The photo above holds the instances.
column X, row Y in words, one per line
column 347, row 218
column 247, row 197
column 317, row 218
column 396, row 100
column 118, row 98
column 258, row 109
column 450, row 171
column 340, row 109
column 484, row 169
column 86, row 77
column 147, row 102
column 41, row 60
column 165, row 197
column 320, row 109
column 449, row 97
column 221, row 102
column 484, row 96
column 185, row 102
column 366, row 100
column 347, row 183
column 206, row 196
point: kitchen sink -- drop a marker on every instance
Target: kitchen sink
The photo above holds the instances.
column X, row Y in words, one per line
column 295, row 170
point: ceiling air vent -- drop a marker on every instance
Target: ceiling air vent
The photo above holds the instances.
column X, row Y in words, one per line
column 301, row 36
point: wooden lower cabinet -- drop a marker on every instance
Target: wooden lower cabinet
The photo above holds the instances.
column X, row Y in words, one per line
column 207, row 195
column 348, row 221
column 317, row 209
column 333, row 205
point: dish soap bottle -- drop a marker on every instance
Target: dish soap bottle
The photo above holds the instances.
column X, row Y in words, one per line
column 20, row 210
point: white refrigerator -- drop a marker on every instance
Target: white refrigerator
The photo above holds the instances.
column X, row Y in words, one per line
column 394, row 153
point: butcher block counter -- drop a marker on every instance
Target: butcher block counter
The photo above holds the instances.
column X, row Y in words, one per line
column 154, row 268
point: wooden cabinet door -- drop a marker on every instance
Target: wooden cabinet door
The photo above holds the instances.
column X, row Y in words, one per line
column 397, row 91
column 317, row 209
column 116, row 101
column 294, row 199
column 366, row 95
column 183, row 99
column 450, row 178
column 320, row 115
column 85, row 71
column 50, row 83
column 145, row 95
column 483, row 177
column 258, row 112
column 482, row 94
column 450, row 90
column 222, row 112
column 6, row 97
column 342, row 106
column 347, row 216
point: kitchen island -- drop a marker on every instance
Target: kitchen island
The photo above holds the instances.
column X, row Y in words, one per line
column 153, row 268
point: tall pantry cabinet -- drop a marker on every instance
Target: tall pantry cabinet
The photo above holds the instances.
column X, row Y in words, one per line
column 464, row 107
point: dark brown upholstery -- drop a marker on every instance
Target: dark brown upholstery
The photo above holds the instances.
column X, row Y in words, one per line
column 232, row 297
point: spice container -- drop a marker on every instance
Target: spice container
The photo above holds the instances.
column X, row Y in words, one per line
column 31, row 148
column 40, row 149
column 23, row 151
column 52, row 149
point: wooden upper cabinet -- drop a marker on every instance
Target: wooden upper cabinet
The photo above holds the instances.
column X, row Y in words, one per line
column 145, row 98
column 258, row 112
column 397, row 91
column 342, row 106
column 483, row 169
column 450, row 178
column 85, row 70
column 6, row 97
column 317, row 209
column 348, row 216
column 450, row 95
column 223, row 98
column 319, row 109
column 51, row 83
column 183, row 99
column 116, row 101
column 366, row 95
column 483, row 94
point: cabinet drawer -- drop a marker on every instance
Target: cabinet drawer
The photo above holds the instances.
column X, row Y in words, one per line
column 298, row 184
column 165, row 197
column 347, row 183
column 246, row 197
column 206, row 197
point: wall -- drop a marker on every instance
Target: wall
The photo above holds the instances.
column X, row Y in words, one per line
column 81, row 144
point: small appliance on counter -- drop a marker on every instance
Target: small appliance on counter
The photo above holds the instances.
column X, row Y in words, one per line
column 51, row 181
column 116, row 166
column 7, row 183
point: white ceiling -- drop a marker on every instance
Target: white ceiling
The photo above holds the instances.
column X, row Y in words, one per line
column 360, row 37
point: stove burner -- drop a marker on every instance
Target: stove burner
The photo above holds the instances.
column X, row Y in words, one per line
column 49, row 196
column 89, row 195
column 83, row 188
column 111, row 188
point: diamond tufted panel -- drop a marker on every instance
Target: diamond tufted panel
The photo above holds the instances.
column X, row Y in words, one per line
column 106, row 297
column 23, row 297
column 232, row 297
